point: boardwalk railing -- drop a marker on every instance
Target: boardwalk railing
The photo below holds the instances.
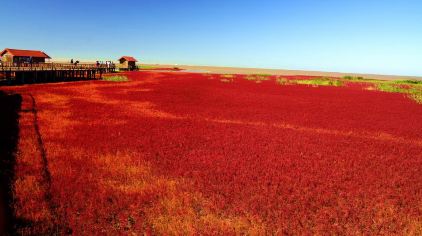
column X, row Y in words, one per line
column 49, row 72
column 54, row 66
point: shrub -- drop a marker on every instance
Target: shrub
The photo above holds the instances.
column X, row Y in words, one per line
column 116, row 78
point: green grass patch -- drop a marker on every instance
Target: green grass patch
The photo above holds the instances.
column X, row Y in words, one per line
column 358, row 79
column 116, row 78
column 354, row 78
column 416, row 95
column 409, row 81
column 390, row 87
column 311, row 82
column 258, row 77
column 148, row 67
column 320, row 82
column 412, row 88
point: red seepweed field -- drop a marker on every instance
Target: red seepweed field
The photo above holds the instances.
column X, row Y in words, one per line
column 189, row 153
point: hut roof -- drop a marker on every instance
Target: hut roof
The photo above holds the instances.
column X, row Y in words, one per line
column 127, row 58
column 25, row 53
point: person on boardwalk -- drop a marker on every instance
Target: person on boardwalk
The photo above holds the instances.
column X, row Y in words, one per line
column 71, row 61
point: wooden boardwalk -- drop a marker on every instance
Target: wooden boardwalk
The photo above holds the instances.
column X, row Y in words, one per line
column 51, row 72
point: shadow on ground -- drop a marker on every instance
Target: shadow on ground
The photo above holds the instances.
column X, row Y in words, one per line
column 10, row 105
column 19, row 81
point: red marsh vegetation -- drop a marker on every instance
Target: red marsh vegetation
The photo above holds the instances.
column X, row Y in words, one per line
column 187, row 153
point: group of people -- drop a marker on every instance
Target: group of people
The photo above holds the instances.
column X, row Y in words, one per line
column 108, row 64
column 74, row 62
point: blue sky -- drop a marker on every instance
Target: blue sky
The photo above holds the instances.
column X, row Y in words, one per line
column 378, row 36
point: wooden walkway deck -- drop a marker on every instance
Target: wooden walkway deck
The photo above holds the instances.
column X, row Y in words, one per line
column 51, row 72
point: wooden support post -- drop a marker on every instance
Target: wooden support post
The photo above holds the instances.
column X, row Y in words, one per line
column 9, row 81
column 9, row 75
column 35, row 76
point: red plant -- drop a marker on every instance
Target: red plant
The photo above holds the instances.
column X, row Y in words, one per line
column 186, row 153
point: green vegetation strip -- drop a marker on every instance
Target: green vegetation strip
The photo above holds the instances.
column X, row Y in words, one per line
column 312, row 82
column 412, row 88
column 148, row 67
column 116, row 78
column 258, row 77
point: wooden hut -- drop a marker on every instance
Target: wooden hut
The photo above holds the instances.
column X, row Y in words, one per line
column 127, row 63
column 19, row 56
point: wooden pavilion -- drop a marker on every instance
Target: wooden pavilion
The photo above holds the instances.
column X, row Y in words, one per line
column 18, row 56
column 127, row 63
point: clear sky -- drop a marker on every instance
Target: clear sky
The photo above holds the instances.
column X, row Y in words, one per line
column 368, row 36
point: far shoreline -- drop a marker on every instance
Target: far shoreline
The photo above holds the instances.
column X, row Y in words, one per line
column 250, row 70
column 244, row 70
